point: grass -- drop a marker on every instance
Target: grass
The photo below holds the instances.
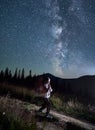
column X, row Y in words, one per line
column 11, row 117
column 57, row 103
column 70, row 107
column 17, row 92
column 19, row 115
column 74, row 108
column 10, row 123
column 16, row 114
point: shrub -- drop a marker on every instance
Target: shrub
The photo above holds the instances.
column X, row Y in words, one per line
column 56, row 102
column 10, row 123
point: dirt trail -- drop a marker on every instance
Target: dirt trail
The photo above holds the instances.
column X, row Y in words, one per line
column 80, row 123
column 27, row 110
column 68, row 119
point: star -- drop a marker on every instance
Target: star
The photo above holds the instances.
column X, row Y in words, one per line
column 48, row 36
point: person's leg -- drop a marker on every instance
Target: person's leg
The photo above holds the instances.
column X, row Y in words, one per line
column 48, row 104
column 43, row 105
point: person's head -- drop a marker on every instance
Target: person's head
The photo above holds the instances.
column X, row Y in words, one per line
column 47, row 80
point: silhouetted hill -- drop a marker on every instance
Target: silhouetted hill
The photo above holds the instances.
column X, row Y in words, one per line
column 82, row 87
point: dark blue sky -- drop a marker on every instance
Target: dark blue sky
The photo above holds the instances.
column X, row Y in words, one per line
column 54, row 36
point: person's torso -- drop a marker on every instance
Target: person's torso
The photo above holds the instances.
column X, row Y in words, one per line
column 47, row 94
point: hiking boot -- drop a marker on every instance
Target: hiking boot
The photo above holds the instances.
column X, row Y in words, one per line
column 49, row 116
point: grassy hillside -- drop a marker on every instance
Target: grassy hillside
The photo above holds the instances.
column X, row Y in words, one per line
column 19, row 115
column 63, row 104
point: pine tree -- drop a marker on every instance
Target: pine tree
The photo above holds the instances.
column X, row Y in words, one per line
column 6, row 76
column 19, row 74
column 30, row 73
column 1, row 75
column 22, row 75
column 6, row 72
column 15, row 74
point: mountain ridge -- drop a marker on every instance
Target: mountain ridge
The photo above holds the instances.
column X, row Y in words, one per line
column 82, row 87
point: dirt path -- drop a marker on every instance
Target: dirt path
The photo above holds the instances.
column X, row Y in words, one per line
column 82, row 124
column 68, row 119
column 26, row 110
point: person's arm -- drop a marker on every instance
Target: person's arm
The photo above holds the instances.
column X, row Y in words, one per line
column 48, row 87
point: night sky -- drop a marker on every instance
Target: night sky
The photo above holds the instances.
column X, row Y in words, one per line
column 48, row 36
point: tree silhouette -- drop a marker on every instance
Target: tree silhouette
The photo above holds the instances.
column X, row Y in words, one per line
column 1, row 75
column 19, row 74
column 15, row 74
column 6, row 73
column 22, row 75
column 10, row 76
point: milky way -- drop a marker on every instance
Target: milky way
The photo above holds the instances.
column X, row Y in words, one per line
column 66, row 29
column 55, row 36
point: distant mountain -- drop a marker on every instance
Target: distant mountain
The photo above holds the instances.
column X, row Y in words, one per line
column 82, row 87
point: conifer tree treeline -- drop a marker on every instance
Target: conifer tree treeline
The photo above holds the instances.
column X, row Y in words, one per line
column 18, row 78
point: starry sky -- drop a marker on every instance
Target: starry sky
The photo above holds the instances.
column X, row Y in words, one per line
column 48, row 36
